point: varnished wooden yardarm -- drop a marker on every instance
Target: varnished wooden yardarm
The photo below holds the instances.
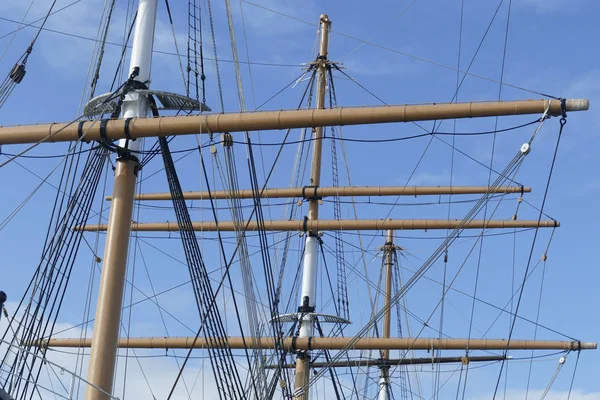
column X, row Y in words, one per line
column 345, row 191
column 381, row 363
column 275, row 120
column 333, row 225
column 336, row 343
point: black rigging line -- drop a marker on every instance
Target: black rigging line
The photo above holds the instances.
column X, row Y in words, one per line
column 277, row 326
column 273, row 291
column 122, row 58
column 49, row 283
column 185, row 83
column 224, row 368
column 334, row 65
column 17, row 73
column 23, row 26
column 259, row 380
column 215, row 54
column 265, row 64
column 479, row 48
column 155, row 296
column 101, row 53
column 195, row 50
column 343, row 308
column 335, row 379
column 418, row 58
column 339, row 329
column 281, row 91
column 251, row 216
column 154, row 150
column 563, row 122
column 452, row 154
column 397, row 282
column 342, row 284
column 489, row 175
column 574, row 372
column 511, row 168
column 57, row 203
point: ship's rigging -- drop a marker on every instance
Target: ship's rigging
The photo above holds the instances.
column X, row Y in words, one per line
column 258, row 341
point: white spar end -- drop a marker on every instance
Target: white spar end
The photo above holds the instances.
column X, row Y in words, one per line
column 578, row 105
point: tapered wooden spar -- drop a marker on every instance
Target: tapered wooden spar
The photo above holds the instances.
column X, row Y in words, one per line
column 308, row 291
column 103, row 354
column 399, row 361
column 335, row 343
column 384, row 376
column 274, row 120
column 346, row 191
column 334, row 225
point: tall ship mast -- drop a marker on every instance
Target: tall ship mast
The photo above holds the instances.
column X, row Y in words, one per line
column 351, row 277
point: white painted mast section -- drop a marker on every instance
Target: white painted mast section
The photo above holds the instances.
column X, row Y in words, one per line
column 309, row 283
column 384, row 389
column 105, row 336
column 134, row 104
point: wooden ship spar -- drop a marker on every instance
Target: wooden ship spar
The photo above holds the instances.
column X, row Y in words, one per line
column 135, row 115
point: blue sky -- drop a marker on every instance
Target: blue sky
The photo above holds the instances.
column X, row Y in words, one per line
column 550, row 50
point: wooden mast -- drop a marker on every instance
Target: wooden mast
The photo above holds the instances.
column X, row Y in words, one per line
column 384, row 379
column 105, row 337
column 309, row 272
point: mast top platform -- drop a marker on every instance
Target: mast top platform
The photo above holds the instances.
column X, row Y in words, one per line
column 107, row 103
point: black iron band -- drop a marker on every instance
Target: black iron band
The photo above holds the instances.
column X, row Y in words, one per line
column 103, row 124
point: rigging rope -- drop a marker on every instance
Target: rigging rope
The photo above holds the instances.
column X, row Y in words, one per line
column 100, row 55
column 493, row 152
column 276, row 326
column 175, row 42
column 235, row 207
column 17, row 73
column 511, row 167
column 215, row 54
column 342, row 285
column 403, row 370
column 563, row 122
column 43, row 299
column 194, row 50
column 224, row 368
